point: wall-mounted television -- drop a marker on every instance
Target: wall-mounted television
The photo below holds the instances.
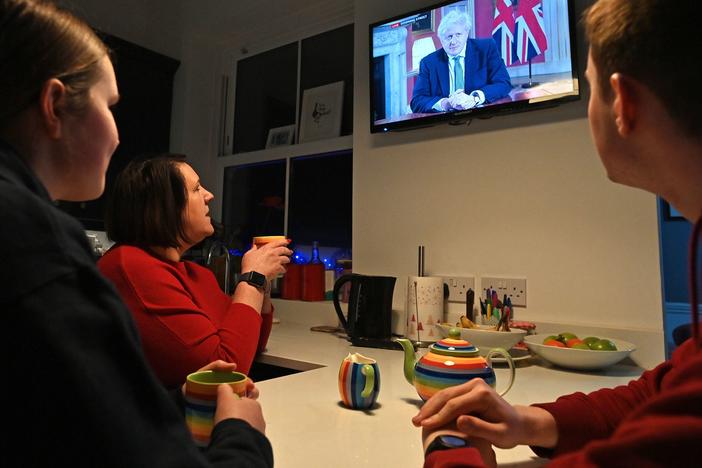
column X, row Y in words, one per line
column 456, row 60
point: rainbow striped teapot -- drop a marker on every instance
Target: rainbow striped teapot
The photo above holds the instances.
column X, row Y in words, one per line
column 451, row 361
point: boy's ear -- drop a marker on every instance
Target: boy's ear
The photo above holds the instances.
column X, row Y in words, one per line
column 51, row 102
column 625, row 105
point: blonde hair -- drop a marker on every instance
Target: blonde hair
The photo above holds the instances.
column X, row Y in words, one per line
column 40, row 41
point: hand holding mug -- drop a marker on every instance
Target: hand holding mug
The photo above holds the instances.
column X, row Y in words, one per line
column 224, row 366
column 230, row 405
column 268, row 258
column 204, row 394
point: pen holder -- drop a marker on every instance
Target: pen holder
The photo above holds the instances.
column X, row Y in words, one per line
column 492, row 321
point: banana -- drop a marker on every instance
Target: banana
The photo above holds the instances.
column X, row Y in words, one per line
column 466, row 322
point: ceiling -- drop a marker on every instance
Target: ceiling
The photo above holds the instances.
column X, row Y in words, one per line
column 253, row 22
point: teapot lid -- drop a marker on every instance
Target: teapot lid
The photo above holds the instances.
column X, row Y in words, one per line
column 454, row 345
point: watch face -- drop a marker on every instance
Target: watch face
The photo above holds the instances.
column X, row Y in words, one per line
column 453, row 441
column 258, row 278
column 446, row 442
column 255, row 278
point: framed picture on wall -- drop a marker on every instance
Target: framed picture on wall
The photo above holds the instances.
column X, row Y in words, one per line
column 321, row 112
column 280, row 136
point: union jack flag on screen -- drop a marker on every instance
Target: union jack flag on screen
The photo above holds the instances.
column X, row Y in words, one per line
column 502, row 30
column 530, row 34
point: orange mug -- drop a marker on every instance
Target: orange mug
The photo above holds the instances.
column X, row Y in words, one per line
column 260, row 241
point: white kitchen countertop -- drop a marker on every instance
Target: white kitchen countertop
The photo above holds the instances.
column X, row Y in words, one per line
column 309, row 427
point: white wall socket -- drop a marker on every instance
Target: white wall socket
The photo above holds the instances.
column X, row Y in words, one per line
column 514, row 288
column 458, row 287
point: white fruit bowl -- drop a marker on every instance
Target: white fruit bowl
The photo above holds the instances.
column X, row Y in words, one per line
column 485, row 337
column 580, row 359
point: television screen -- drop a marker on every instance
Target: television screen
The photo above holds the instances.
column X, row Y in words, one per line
column 473, row 58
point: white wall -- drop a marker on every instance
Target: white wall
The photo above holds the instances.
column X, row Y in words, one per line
column 522, row 195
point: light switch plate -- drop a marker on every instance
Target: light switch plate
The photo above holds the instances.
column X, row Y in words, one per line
column 514, row 288
column 458, row 287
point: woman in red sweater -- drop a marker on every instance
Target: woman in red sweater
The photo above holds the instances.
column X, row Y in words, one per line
column 158, row 210
column 646, row 122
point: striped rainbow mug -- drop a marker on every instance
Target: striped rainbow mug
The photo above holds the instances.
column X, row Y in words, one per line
column 201, row 400
column 359, row 381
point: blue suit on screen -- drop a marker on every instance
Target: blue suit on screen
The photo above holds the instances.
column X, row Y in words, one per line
column 484, row 70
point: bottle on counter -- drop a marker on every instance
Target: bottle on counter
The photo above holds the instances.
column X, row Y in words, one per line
column 313, row 277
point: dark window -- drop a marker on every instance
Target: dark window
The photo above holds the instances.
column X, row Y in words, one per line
column 320, row 199
column 253, row 202
column 266, row 90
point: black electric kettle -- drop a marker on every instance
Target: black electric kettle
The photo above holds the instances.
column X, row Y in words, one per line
column 368, row 320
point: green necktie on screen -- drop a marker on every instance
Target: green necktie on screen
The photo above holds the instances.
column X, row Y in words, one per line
column 458, row 73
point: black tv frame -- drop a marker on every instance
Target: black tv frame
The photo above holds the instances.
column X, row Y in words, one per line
column 486, row 112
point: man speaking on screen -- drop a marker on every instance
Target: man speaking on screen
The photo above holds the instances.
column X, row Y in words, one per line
column 463, row 74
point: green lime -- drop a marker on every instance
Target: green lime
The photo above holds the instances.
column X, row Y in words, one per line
column 565, row 336
column 590, row 339
column 604, row 345
column 581, row 346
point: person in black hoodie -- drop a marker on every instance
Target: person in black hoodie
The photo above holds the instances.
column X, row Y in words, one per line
column 77, row 390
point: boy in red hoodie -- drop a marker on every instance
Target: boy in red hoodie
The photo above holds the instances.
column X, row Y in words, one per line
column 645, row 115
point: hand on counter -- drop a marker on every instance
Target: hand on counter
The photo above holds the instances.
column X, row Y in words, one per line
column 479, row 412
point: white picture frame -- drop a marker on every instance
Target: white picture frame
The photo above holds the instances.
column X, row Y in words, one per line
column 321, row 112
column 280, row 136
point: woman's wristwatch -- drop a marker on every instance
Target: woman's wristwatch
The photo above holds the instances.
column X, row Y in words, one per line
column 446, row 442
column 255, row 279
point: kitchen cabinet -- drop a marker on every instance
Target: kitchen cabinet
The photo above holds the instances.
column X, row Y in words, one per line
column 143, row 116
